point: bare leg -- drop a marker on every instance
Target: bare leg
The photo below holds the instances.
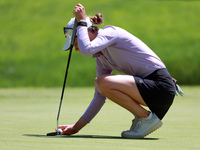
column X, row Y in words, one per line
column 123, row 90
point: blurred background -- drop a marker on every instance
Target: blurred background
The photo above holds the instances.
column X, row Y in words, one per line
column 31, row 39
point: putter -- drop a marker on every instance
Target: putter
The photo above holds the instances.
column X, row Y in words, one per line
column 63, row 89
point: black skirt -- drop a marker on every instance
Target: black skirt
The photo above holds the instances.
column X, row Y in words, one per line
column 157, row 90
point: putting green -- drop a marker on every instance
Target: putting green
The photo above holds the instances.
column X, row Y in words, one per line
column 28, row 114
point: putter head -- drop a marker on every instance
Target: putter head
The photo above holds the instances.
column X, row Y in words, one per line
column 54, row 133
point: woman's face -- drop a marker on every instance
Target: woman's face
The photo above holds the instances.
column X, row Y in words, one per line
column 92, row 36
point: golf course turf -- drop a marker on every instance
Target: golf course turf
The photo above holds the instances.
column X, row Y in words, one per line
column 27, row 114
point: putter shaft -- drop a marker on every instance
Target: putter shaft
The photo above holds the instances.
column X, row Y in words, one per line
column 66, row 73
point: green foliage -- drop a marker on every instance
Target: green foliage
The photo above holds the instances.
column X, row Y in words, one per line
column 31, row 38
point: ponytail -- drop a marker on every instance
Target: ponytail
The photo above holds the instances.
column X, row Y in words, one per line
column 97, row 19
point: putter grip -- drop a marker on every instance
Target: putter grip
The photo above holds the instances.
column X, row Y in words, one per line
column 74, row 32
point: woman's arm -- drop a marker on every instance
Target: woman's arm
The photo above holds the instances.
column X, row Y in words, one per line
column 98, row 100
column 105, row 38
column 94, row 107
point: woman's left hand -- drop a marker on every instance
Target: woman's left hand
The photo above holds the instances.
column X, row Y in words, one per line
column 79, row 13
column 67, row 129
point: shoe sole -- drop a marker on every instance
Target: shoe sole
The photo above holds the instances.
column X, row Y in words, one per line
column 154, row 128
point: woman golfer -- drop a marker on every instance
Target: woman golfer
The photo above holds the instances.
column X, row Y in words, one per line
column 146, row 81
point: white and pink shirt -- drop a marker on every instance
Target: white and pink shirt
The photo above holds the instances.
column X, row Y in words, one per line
column 116, row 49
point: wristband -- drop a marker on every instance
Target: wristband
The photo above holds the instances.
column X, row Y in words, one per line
column 81, row 23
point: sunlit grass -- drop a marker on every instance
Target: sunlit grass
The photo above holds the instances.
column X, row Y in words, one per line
column 27, row 114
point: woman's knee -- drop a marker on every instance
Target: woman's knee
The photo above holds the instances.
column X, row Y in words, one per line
column 102, row 83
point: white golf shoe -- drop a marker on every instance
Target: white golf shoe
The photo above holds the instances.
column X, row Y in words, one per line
column 141, row 127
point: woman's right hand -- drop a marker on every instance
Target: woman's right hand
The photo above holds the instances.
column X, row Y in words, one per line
column 68, row 129
column 72, row 129
column 79, row 13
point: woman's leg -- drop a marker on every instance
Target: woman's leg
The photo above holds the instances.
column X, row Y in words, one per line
column 123, row 90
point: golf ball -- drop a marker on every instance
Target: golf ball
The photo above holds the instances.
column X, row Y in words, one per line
column 60, row 131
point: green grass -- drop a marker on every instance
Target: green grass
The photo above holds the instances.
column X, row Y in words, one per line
column 27, row 114
column 31, row 38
